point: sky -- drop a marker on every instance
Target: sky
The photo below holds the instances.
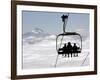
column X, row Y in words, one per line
column 51, row 22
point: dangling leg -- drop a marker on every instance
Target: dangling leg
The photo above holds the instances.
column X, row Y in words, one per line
column 62, row 54
column 77, row 54
column 74, row 54
column 71, row 54
column 65, row 54
column 68, row 55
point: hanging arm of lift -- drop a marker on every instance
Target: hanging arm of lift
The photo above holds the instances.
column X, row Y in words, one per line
column 64, row 20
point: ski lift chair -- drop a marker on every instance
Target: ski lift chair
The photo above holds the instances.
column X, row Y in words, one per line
column 60, row 50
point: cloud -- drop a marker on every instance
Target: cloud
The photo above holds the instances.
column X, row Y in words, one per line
column 83, row 32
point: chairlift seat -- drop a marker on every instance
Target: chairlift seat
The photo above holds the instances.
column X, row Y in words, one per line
column 61, row 51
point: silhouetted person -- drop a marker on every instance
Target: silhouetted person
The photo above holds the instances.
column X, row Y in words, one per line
column 75, row 49
column 64, row 49
column 69, row 49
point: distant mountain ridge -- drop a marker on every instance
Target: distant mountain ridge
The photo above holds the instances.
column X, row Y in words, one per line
column 35, row 36
column 36, row 32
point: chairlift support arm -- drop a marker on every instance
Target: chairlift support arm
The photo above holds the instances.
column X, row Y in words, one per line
column 64, row 20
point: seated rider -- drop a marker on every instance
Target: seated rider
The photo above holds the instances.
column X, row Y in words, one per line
column 64, row 49
column 75, row 49
column 69, row 49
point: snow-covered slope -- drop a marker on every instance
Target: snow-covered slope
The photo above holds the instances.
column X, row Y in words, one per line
column 39, row 51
